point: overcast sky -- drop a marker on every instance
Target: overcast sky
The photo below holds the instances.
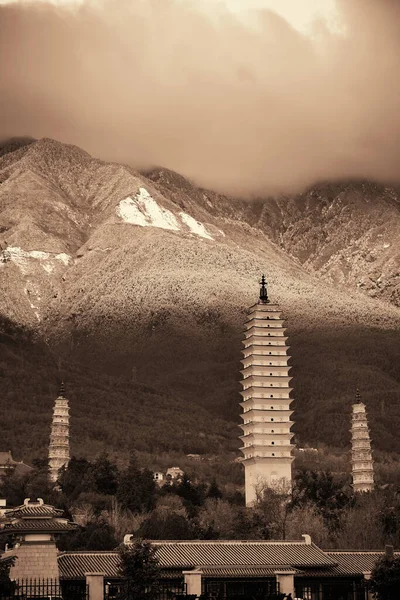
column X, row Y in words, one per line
column 244, row 96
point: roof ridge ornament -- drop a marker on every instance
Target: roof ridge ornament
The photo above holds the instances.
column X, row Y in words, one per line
column 263, row 291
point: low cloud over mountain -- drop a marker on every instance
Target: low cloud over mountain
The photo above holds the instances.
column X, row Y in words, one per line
column 244, row 105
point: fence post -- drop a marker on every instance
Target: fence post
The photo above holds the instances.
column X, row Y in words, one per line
column 193, row 581
column 286, row 581
column 367, row 577
column 95, row 582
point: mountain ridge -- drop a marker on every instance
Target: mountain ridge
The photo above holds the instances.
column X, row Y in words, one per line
column 101, row 265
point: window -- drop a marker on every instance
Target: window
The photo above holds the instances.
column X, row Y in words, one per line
column 271, row 396
column 273, row 454
column 272, row 443
column 271, row 419
column 272, row 431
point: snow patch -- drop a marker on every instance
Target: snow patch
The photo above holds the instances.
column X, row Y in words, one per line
column 195, row 226
column 386, row 245
column 143, row 210
column 20, row 257
column 65, row 258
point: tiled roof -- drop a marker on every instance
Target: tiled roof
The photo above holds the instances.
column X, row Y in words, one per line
column 74, row 565
column 51, row 525
column 34, row 510
column 224, row 557
column 352, row 562
column 239, row 553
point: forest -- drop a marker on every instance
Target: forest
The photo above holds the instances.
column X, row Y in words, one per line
column 109, row 502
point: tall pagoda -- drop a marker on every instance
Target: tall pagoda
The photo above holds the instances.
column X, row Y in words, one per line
column 59, row 438
column 267, row 446
column 361, row 454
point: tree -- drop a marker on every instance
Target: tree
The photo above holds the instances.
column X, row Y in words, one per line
column 385, row 579
column 330, row 495
column 6, row 585
column 218, row 519
column 140, row 571
column 272, row 509
column 76, row 478
column 192, row 495
column 136, row 490
column 105, row 475
column 214, row 491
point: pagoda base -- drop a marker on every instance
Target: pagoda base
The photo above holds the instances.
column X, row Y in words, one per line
column 266, row 472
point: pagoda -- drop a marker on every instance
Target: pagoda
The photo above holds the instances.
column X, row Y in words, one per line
column 361, row 454
column 267, row 435
column 59, row 437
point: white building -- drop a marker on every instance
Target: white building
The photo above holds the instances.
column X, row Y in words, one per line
column 59, row 437
column 267, row 446
column 361, row 455
column 174, row 474
column 158, row 477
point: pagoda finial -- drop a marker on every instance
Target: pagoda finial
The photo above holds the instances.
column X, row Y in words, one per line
column 358, row 396
column 263, row 291
column 61, row 393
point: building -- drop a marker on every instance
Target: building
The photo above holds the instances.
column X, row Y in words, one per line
column 266, row 438
column 158, row 477
column 174, row 474
column 59, row 438
column 196, row 457
column 217, row 568
column 361, row 455
column 34, row 528
column 247, row 568
column 9, row 465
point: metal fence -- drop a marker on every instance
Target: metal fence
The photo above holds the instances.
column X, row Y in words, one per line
column 174, row 590
column 43, row 589
column 332, row 590
column 241, row 589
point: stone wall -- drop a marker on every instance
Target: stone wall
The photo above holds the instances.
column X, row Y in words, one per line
column 35, row 561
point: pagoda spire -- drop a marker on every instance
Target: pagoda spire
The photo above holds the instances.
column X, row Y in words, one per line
column 267, row 437
column 59, row 453
column 263, row 291
column 361, row 454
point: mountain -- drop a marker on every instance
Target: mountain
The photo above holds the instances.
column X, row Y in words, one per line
column 134, row 286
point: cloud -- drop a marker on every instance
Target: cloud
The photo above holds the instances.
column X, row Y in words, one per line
column 241, row 105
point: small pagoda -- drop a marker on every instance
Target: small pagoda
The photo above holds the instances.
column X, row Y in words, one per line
column 59, row 454
column 361, row 454
column 34, row 528
column 267, row 435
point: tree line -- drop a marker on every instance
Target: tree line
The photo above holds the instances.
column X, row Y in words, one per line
column 109, row 502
